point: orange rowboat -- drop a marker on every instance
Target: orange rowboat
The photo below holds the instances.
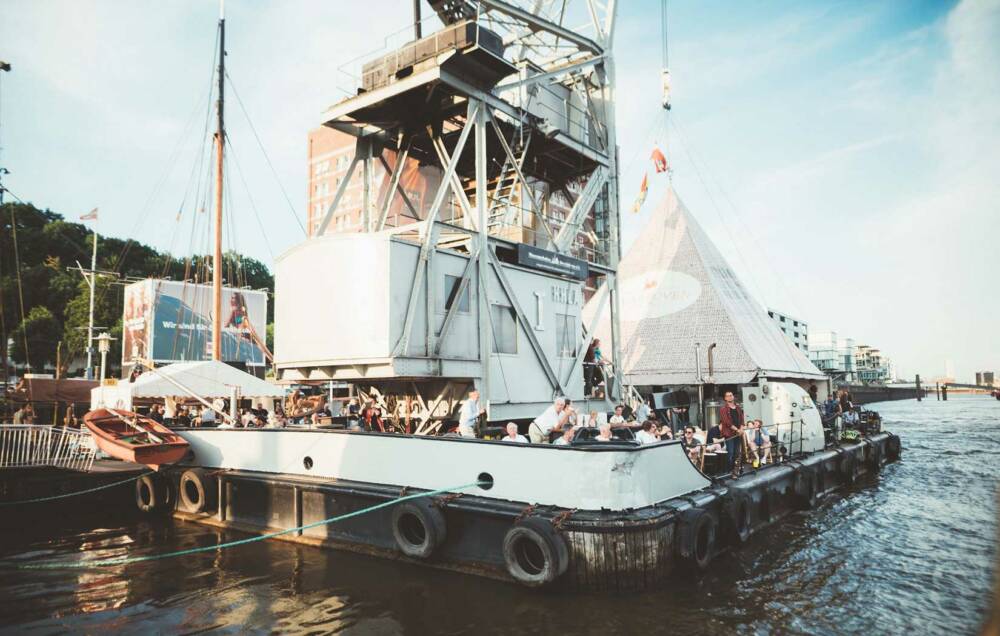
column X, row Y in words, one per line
column 133, row 438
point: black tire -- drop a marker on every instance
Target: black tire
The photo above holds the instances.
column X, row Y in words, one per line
column 847, row 468
column 418, row 527
column 806, row 488
column 893, row 448
column 736, row 518
column 197, row 490
column 535, row 553
column 153, row 493
column 696, row 532
column 875, row 458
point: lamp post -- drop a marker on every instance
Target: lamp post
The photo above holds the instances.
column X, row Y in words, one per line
column 104, row 346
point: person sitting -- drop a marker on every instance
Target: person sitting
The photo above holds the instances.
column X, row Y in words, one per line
column 566, row 438
column 691, row 444
column 648, row 434
column 553, row 418
column 592, row 420
column 714, row 440
column 207, row 417
column 513, row 435
column 618, row 419
column 759, row 442
column 604, row 433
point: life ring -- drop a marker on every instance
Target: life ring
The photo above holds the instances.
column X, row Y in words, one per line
column 805, row 488
column 152, row 493
column 847, row 468
column 535, row 552
column 736, row 516
column 418, row 527
column 197, row 492
column 696, row 538
column 893, row 447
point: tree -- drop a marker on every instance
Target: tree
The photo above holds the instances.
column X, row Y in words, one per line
column 42, row 332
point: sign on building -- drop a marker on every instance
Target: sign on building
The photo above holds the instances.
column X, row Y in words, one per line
column 170, row 321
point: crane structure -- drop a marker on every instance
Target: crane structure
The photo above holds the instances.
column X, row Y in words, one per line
column 510, row 107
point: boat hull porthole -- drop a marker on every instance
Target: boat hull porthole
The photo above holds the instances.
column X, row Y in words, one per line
column 307, row 462
column 485, row 481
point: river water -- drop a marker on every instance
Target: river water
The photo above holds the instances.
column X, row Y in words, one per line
column 909, row 551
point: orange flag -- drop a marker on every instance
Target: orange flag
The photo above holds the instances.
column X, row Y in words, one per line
column 659, row 161
column 643, row 189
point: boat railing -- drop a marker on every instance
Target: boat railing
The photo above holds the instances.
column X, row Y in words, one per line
column 28, row 445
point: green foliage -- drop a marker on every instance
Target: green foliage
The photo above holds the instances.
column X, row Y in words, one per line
column 56, row 299
column 40, row 331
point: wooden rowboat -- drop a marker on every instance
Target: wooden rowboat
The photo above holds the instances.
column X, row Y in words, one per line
column 134, row 438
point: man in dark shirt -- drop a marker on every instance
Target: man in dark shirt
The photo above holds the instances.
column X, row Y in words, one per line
column 731, row 425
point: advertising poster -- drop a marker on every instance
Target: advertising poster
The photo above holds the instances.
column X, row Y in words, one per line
column 172, row 322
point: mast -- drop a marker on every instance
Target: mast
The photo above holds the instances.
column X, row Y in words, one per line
column 90, row 314
column 220, row 142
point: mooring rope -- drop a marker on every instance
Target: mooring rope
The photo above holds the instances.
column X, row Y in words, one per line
column 75, row 493
column 231, row 544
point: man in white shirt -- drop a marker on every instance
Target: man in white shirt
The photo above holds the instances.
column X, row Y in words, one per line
column 552, row 419
column 617, row 419
column 513, row 435
column 207, row 417
column 469, row 414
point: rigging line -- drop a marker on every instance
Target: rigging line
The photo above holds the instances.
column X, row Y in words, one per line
column 146, row 206
column 746, row 226
column 732, row 239
column 267, row 159
column 232, row 544
column 663, row 17
column 20, row 289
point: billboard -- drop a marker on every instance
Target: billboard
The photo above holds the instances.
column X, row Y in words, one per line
column 170, row 321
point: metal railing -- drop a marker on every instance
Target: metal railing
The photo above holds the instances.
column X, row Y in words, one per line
column 26, row 445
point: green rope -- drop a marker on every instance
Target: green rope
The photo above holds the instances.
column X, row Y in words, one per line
column 232, row 544
column 73, row 494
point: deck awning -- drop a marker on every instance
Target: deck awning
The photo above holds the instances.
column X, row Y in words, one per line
column 208, row 379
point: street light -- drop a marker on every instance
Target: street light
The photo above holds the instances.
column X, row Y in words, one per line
column 104, row 346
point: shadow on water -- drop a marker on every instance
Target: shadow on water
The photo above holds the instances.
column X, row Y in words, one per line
column 908, row 551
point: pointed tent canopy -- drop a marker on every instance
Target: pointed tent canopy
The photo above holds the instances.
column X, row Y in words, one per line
column 208, row 379
column 676, row 290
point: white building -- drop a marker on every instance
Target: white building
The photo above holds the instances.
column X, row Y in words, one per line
column 796, row 330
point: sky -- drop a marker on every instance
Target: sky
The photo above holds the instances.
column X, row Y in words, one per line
column 843, row 155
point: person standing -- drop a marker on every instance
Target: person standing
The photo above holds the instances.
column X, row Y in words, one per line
column 551, row 419
column 468, row 417
column 813, row 392
column 731, row 426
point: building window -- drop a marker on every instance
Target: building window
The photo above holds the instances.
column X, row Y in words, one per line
column 566, row 335
column 783, row 330
column 451, row 286
column 795, row 323
column 796, row 334
column 782, row 318
column 771, row 314
column 504, row 325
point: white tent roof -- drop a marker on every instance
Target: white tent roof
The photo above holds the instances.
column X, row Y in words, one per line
column 207, row 379
column 676, row 289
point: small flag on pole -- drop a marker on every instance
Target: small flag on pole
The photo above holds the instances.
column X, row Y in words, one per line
column 90, row 216
column 641, row 198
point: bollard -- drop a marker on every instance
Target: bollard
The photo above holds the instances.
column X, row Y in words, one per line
column 920, row 396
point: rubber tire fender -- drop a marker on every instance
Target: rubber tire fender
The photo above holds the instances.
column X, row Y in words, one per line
column 736, row 518
column 159, row 491
column 806, row 496
column 204, row 487
column 433, row 528
column 893, row 447
column 696, row 533
column 875, row 458
column 549, row 543
column 847, row 468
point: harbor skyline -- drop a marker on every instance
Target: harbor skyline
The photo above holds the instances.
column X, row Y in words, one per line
column 854, row 149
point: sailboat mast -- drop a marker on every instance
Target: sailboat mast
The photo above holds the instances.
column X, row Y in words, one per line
column 220, row 143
